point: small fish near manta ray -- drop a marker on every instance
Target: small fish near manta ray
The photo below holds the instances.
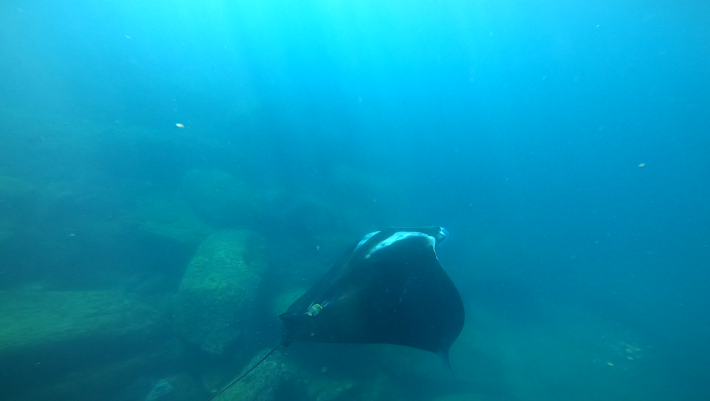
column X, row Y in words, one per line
column 388, row 288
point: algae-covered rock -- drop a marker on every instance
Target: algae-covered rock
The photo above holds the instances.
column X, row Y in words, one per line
column 173, row 388
column 219, row 286
column 275, row 379
column 464, row 397
column 47, row 337
column 31, row 321
column 222, row 199
column 167, row 216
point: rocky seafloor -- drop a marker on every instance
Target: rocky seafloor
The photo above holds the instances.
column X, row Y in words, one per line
column 117, row 283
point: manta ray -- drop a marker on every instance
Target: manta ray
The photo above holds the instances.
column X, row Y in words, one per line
column 388, row 288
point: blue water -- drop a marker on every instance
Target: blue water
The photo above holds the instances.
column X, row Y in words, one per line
column 564, row 145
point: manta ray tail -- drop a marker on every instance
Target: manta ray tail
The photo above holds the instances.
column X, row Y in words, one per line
column 286, row 340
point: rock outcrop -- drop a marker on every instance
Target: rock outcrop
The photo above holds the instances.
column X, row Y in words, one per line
column 214, row 302
column 50, row 339
column 221, row 199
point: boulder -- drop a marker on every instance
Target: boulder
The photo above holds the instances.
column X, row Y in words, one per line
column 168, row 218
column 275, row 379
column 217, row 292
column 49, row 340
column 222, row 199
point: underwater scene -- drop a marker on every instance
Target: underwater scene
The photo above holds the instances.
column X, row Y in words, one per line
column 294, row 200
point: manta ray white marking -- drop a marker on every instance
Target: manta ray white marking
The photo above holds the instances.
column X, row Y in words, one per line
column 364, row 239
column 399, row 236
